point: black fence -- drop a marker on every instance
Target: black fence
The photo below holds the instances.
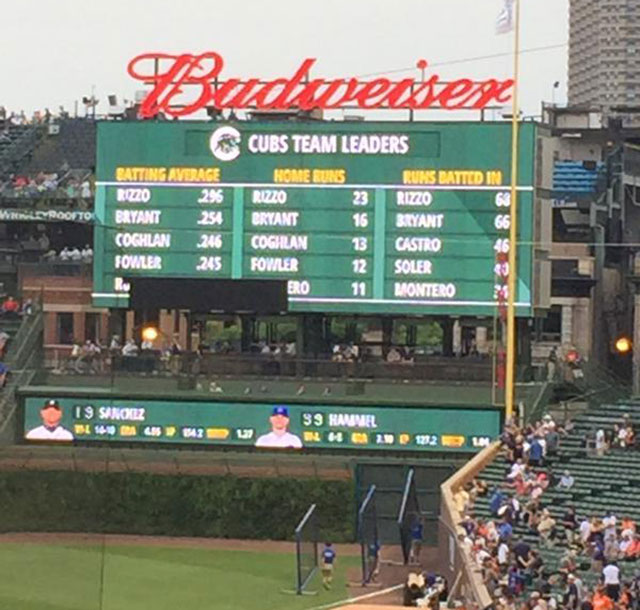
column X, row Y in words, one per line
column 192, row 364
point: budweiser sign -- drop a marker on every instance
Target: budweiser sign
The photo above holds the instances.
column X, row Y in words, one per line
column 183, row 84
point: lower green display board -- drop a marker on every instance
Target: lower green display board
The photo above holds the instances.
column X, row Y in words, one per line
column 262, row 425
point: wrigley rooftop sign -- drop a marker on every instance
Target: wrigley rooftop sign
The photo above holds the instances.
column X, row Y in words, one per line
column 183, row 84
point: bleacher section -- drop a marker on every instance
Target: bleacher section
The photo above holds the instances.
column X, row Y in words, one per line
column 16, row 145
column 602, row 483
column 576, row 177
column 10, row 327
column 73, row 147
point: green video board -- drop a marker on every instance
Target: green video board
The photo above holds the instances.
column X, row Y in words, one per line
column 405, row 218
column 261, row 425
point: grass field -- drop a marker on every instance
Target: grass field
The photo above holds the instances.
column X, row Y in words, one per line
column 67, row 577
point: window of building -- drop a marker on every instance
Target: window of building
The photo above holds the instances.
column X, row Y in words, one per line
column 550, row 328
column 65, row 328
column 92, row 327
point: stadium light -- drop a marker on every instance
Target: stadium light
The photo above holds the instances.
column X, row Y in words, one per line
column 150, row 333
column 623, row 345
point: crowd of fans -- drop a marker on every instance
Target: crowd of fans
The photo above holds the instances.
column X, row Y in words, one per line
column 39, row 117
column 515, row 573
column 70, row 255
column 10, row 309
column 66, row 184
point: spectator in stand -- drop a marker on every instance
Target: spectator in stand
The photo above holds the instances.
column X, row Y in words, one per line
column 87, row 254
column 552, row 439
column 85, row 189
column 585, row 532
column 535, row 453
column 609, row 525
column 4, row 372
column 601, row 601
column 566, row 480
column 44, row 242
column 601, row 442
column 10, row 308
column 75, row 255
column 4, row 338
column 611, row 579
column 115, row 345
column 597, row 554
column 611, row 548
column 571, row 598
column 546, row 528
column 130, row 349
column 522, row 554
column 570, row 524
column 503, row 556
column 27, row 307
column 393, row 356
column 65, row 254
column 461, row 500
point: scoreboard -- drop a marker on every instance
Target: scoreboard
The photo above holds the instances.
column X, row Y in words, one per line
column 375, row 217
column 244, row 424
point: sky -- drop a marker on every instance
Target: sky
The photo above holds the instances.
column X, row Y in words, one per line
column 64, row 49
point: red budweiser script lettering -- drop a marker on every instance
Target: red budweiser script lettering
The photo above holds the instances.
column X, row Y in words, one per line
column 169, row 76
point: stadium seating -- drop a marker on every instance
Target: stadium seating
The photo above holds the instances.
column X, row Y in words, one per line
column 73, row 147
column 576, row 176
column 17, row 142
column 607, row 483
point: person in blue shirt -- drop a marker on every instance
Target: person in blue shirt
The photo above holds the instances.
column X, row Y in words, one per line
column 505, row 530
column 328, row 558
column 417, row 535
column 374, row 559
column 535, row 453
column 495, row 501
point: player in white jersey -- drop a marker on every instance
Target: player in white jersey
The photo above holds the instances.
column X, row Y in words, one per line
column 279, row 436
column 51, row 430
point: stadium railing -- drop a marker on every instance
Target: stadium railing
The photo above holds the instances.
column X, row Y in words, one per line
column 24, row 358
column 191, row 364
column 368, row 536
column 456, row 564
column 408, row 514
column 306, row 535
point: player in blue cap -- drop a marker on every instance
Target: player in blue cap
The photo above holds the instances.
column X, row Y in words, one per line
column 328, row 557
column 279, row 436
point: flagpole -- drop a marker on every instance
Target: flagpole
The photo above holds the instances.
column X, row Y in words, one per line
column 513, row 230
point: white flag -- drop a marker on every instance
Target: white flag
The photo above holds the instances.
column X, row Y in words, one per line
column 506, row 19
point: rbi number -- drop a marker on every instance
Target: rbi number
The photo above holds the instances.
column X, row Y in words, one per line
column 501, row 269
column 501, row 246
column 209, row 263
column 502, row 222
column 211, row 196
column 210, row 218
column 360, row 198
column 503, row 200
column 501, row 292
